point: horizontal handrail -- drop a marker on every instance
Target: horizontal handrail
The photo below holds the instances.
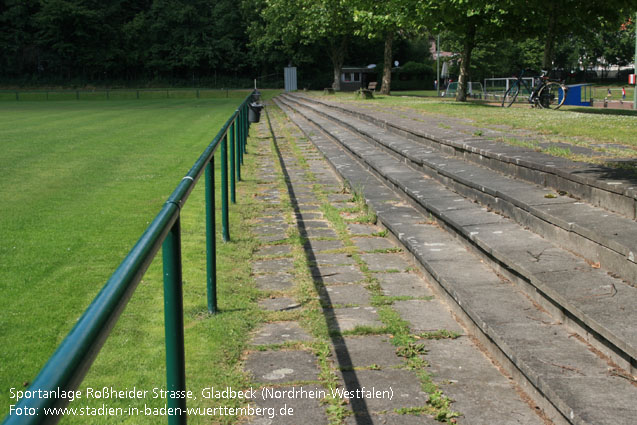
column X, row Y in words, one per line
column 66, row 368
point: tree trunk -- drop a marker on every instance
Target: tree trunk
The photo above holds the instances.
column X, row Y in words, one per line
column 386, row 87
column 465, row 61
column 336, row 52
column 549, row 42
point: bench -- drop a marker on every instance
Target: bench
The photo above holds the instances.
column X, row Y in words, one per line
column 367, row 93
column 328, row 90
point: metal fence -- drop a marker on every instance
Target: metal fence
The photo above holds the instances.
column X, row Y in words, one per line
column 66, row 368
column 120, row 94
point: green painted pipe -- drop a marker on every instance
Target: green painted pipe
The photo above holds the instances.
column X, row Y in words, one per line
column 174, row 326
column 225, row 225
column 211, row 243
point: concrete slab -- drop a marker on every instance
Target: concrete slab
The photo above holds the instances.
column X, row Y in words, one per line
column 304, row 410
column 274, row 251
column 272, row 238
column 305, row 216
column 403, row 285
column 390, row 419
column 427, row 316
column 274, row 282
column 391, row 389
column 337, row 274
column 270, row 367
column 280, row 333
column 385, row 262
column 323, row 245
column 363, row 229
column 345, row 294
column 272, row 265
column 373, row 243
column 318, row 233
column 478, row 390
column 271, row 220
column 278, row 304
column 348, row 318
column 314, row 224
column 332, row 259
column 364, row 351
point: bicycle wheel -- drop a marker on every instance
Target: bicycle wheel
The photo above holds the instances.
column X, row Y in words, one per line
column 510, row 95
column 552, row 95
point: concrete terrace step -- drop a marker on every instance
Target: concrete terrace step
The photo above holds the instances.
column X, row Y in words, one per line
column 610, row 188
column 587, row 295
column 578, row 384
column 597, row 234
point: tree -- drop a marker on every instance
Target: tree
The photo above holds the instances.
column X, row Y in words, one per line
column 387, row 20
column 473, row 21
column 287, row 24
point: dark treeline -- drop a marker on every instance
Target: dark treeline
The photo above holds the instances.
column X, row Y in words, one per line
column 227, row 43
column 97, row 41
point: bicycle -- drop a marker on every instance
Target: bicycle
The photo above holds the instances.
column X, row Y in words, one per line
column 549, row 94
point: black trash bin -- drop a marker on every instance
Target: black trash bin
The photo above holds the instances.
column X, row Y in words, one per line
column 256, row 96
column 254, row 112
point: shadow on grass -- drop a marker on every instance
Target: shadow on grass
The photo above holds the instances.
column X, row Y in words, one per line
column 595, row 111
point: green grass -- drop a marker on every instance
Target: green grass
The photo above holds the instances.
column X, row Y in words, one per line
column 81, row 181
column 575, row 125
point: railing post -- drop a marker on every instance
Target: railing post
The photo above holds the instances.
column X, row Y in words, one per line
column 225, row 226
column 247, row 124
column 174, row 323
column 237, row 145
column 211, row 243
column 242, row 124
column 233, row 184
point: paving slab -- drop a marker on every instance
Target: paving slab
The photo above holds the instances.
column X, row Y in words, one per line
column 272, row 238
column 274, row 250
column 280, row 333
column 348, row 318
column 392, row 389
column 478, row 390
column 272, row 265
column 318, row 233
column 391, row 419
column 337, row 274
column 307, row 208
column 363, row 229
column 271, row 367
column 403, row 285
column 332, row 259
column 364, row 351
column 271, row 220
column 304, row 410
column 345, row 295
column 314, row 224
column 274, row 282
column 304, row 216
column 385, row 262
column 373, row 243
column 427, row 316
column 279, row 304
column 323, row 245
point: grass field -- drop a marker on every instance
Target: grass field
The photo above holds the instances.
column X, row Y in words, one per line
column 81, row 181
column 580, row 126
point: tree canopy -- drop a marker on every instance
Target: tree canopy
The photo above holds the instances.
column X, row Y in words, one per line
column 195, row 42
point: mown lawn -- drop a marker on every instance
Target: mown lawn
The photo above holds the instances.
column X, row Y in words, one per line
column 80, row 183
column 575, row 125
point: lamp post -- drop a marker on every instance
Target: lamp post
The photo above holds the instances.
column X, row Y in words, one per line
column 438, row 66
column 635, row 70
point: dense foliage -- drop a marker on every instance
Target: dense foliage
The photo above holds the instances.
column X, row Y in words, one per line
column 223, row 43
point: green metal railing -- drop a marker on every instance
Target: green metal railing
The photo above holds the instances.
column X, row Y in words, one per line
column 67, row 367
